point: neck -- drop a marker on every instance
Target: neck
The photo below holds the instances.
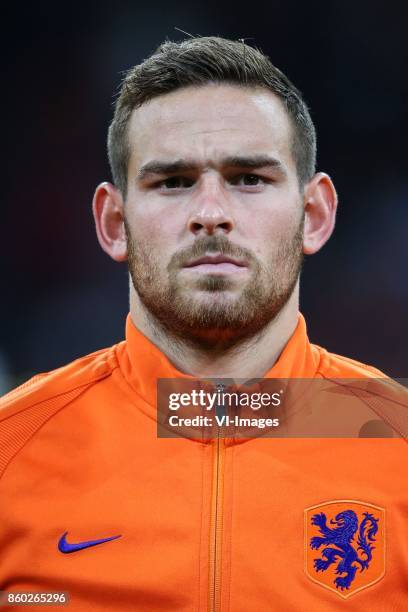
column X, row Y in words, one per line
column 247, row 358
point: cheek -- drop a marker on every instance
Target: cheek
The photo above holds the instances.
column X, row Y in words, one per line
column 156, row 236
column 275, row 212
column 149, row 216
column 265, row 233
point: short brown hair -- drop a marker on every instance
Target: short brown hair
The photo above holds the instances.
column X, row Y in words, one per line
column 196, row 62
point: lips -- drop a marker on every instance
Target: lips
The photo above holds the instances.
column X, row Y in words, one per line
column 216, row 265
column 216, row 260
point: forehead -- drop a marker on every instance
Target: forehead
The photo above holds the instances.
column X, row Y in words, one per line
column 210, row 121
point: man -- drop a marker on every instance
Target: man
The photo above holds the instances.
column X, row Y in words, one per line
column 214, row 202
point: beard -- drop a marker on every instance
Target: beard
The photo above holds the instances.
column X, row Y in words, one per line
column 212, row 312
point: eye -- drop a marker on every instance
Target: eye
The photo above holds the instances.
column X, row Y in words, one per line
column 176, row 182
column 248, row 180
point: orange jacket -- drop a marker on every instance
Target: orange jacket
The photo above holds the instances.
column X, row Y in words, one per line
column 235, row 525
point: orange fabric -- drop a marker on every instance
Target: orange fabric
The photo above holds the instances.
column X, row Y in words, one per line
column 204, row 525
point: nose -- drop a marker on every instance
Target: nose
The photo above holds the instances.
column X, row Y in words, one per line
column 210, row 210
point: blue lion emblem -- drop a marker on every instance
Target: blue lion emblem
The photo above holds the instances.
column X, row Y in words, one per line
column 345, row 554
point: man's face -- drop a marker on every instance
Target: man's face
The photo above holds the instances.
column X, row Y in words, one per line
column 214, row 216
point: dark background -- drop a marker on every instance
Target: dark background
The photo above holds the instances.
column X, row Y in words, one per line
column 63, row 297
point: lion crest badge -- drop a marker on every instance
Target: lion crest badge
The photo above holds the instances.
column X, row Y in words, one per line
column 345, row 545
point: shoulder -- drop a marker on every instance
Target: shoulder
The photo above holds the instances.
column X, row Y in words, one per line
column 25, row 409
column 47, row 385
column 338, row 366
column 386, row 398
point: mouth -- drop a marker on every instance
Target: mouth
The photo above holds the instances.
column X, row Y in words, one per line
column 216, row 264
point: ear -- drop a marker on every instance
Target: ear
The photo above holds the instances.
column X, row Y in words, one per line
column 108, row 211
column 320, row 201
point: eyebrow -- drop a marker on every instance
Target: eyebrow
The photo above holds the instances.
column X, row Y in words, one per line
column 156, row 167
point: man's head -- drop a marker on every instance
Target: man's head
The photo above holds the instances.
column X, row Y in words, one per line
column 220, row 169
column 197, row 62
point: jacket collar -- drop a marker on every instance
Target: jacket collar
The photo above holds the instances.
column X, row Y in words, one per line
column 142, row 363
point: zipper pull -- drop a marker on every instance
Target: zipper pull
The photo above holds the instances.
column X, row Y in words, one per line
column 221, row 412
column 220, row 409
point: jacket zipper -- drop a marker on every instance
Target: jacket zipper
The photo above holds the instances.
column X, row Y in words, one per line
column 216, row 519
